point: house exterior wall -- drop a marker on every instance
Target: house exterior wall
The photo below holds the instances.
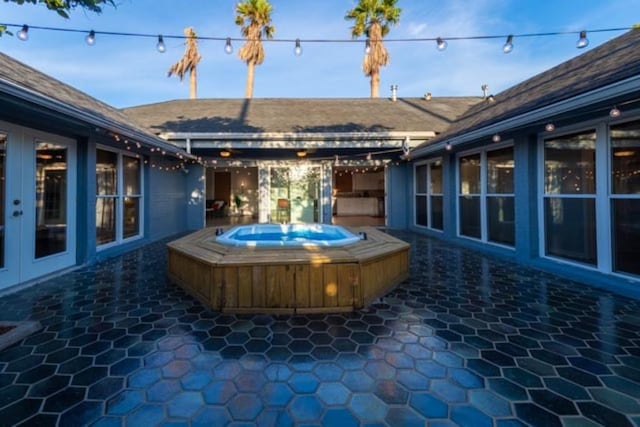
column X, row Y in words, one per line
column 398, row 190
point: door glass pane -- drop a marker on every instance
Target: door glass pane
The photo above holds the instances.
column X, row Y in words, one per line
column 295, row 194
column 105, row 220
column 131, row 217
column 501, row 224
column 51, row 199
column 625, row 158
column 436, row 212
column 626, row 235
column 470, row 216
column 569, row 164
column 3, row 156
column 570, row 228
column 470, row 174
column 500, row 171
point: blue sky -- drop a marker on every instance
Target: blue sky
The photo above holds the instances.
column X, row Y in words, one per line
column 126, row 71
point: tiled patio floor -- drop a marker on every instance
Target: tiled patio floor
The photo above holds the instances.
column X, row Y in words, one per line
column 468, row 340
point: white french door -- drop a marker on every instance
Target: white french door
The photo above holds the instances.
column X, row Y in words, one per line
column 37, row 204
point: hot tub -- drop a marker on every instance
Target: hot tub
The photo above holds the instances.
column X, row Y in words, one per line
column 287, row 235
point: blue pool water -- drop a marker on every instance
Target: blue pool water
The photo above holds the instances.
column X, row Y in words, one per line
column 287, row 235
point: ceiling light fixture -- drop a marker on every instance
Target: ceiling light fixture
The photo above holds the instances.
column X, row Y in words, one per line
column 614, row 113
column 583, row 41
column 160, row 46
column 441, row 44
column 298, row 49
column 23, row 34
column 508, row 46
column 91, row 38
column 228, row 49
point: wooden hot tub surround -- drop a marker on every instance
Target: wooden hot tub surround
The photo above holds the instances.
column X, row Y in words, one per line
column 288, row 280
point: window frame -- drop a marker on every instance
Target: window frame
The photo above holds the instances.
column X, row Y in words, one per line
column 120, row 197
column 483, row 194
column 428, row 193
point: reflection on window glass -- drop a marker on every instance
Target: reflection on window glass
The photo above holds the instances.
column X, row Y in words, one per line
column 105, row 220
column 500, row 171
column 51, row 199
column 500, row 220
column 569, row 164
column 3, row 156
column 421, row 210
column 131, row 217
column 625, row 158
column 626, row 235
column 421, row 179
column 436, row 212
column 131, row 181
column 470, row 174
column 570, row 228
column 470, row 216
column 436, row 178
column 106, row 173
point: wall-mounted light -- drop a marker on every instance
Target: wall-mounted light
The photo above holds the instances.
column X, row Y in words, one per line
column 508, row 46
column 228, row 49
column 298, row 49
column 583, row 41
column 23, row 34
column 160, row 46
column 441, row 44
column 91, row 38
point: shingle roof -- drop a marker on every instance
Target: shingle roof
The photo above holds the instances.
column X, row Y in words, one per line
column 608, row 63
column 260, row 115
column 27, row 81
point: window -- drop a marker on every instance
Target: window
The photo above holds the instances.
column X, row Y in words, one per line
column 486, row 208
column 428, row 194
column 569, row 201
column 118, row 196
column 625, row 197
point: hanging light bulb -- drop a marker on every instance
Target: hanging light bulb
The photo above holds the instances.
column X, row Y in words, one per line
column 298, row 49
column 23, row 34
column 441, row 44
column 369, row 157
column 614, row 113
column 91, row 38
column 160, row 46
column 496, row 138
column 508, row 46
column 228, row 49
column 367, row 47
column 448, row 146
column 337, row 162
column 583, row 41
column 550, row 127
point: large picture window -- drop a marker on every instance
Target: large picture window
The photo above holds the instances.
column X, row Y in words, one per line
column 569, row 197
column 428, row 195
column 485, row 196
column 118, row 197
column 625, row 197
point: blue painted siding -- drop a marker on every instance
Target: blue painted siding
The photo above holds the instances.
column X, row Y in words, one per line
column 399, row 193
column 166, row 201
column 193, row 204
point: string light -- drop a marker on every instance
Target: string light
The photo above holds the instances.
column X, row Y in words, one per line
column 298, row 49
column 496, row 138
column 367, row 47
column 441, row 44
column 448, row 146
column 91, row 38
column 582, row 40
column 550, row 127
column 228, row 49
column 614, row 113
column 160, row 46
column 508, row 46
column 23, row 34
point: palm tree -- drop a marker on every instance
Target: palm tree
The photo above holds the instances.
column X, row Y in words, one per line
column 374, row 19
column 188, row 62
column 254, row 18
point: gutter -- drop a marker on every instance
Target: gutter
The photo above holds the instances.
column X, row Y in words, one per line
column 579, row 101
column 77, row 113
